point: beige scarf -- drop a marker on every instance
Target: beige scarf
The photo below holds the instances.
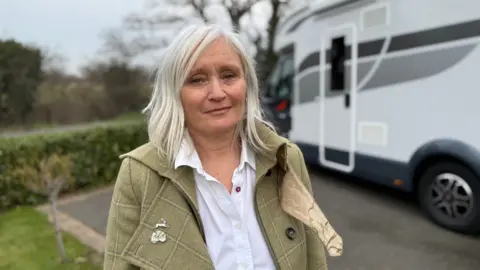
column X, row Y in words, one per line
column 297, row 201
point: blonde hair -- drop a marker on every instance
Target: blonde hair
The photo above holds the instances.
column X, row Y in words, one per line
column 166, row 120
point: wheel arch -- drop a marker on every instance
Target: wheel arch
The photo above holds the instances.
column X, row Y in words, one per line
column 442, row 150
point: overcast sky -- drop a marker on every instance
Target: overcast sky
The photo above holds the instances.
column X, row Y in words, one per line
column 71, row 27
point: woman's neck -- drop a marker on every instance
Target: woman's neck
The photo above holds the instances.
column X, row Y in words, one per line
column 216, row 147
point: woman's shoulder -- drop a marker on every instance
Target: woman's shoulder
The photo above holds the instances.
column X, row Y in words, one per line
column 295, row 155
column 146, row 155
column 141, row 152
column 295, row 160
column 291, row 151
column 135, row 173
column 138, row 161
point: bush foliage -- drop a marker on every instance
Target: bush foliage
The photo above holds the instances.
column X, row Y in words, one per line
column 94, row 153
column 20, row 75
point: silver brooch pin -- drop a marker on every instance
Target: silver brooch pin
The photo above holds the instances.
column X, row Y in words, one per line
column 162, row 224
column 158, row 235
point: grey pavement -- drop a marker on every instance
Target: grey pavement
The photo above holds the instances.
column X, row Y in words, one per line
column 382, row 229
column 92, row 211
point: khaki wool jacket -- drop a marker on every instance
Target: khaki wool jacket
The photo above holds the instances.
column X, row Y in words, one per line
column 148, row 192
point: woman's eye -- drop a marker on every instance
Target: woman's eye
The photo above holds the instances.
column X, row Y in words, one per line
column 229, row 76
column 196, row 80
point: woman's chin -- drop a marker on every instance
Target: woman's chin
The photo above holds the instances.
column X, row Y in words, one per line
column 223, row 125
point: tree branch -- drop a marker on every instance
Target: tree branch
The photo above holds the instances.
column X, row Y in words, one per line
column 199, row 9
column 256, row 36
column 242, row 10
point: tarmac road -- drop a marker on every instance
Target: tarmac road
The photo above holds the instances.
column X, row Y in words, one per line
column 385, row 230
column 381, row 229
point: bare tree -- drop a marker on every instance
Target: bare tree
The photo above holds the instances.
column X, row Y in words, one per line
column 53, row 62
column 123, row 45
column 160, row 19
column 49, row 178
column 116, row 44
column 266, row 56
column 155, row 25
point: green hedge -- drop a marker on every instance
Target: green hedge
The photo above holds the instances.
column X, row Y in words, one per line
column 95, row 154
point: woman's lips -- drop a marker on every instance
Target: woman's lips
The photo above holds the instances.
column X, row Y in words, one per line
column 219, row 110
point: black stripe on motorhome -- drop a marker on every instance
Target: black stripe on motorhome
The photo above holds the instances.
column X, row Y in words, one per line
column 404, row 42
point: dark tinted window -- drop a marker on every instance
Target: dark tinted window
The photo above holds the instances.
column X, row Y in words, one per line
column 281, row 80
column 337, row 74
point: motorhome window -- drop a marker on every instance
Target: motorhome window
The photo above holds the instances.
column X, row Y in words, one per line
column 288, row 70
column 337, row 57
column 288, row 67
column 281, row 78
column 274, row 79
column 284, row 91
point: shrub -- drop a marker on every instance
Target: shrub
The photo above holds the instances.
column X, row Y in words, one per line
column 49, row 178
column 94, row 153
column 20, row 75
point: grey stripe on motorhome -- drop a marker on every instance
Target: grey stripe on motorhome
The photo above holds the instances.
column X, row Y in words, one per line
column 391, row 70
column 404, row 42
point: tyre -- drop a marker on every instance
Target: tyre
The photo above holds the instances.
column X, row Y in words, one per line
column 449, row 193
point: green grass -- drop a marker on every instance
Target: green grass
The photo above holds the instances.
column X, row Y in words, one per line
column 126, row 117
column 130, row 116
column 27, row 241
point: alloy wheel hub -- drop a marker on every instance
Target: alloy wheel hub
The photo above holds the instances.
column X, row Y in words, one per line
column 452, row 196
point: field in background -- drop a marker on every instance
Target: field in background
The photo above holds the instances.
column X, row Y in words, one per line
column 44, row 128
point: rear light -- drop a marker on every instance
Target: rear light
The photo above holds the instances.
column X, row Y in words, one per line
column 281, row 106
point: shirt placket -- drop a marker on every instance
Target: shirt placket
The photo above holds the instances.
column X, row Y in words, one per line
column 244, row 257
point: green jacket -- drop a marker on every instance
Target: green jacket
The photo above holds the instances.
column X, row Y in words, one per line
column 147, row 190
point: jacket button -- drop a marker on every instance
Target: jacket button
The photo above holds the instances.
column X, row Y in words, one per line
column 269, row 172
column 291, row 233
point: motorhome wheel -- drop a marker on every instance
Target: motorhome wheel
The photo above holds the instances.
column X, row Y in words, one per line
column 449, row 193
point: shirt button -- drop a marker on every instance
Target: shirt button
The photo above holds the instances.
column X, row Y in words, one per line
column 238, row 189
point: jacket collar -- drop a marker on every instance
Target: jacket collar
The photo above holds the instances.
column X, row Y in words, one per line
column 188, row 156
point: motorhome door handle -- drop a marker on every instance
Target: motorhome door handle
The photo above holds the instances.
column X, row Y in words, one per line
column 347, row 100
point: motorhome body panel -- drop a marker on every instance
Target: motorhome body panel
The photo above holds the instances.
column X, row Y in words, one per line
column 415, row 75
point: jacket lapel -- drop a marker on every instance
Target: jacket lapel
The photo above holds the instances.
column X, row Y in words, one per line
column 287, row 196
column 269, row 172
column 181, row 177
column 298, row 202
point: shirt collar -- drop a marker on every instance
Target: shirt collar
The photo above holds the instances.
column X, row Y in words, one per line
column 189, row 157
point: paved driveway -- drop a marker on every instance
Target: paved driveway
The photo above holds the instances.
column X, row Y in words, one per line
column 384, row 230
column 381, row 229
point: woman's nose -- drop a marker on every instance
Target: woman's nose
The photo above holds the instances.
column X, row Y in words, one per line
column 216, row 89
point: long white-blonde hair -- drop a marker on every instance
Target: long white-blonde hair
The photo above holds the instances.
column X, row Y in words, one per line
column 166, row 121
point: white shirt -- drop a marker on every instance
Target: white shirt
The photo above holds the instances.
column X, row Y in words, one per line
column 233, row 235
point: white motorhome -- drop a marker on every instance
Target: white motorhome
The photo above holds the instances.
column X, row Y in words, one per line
column 387, row 90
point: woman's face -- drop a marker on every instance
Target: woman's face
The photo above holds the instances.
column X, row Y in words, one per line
column 213, row 96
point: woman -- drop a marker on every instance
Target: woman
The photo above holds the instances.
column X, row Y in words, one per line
column 216, row 187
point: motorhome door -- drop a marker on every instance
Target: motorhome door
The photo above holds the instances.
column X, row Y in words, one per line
column 338, row 77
